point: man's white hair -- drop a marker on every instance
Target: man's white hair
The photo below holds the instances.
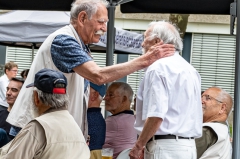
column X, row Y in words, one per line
column 167, row 32
column 53, row 100
column 89, row 6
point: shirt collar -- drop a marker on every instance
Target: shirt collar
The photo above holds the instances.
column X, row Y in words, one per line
column 54, row 109
column 85, row 47
column 125, row 112
column 221, row 122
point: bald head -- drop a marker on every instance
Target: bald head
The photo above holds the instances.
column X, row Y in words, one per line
column 216, row 104
column 224, row 97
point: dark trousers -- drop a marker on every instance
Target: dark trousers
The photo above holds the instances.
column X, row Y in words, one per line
column 4, row 139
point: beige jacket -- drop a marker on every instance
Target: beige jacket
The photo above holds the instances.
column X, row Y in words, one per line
column 222, row 149
column 64, row 137
column 52, row 135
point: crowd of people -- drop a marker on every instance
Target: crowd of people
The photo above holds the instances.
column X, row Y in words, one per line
column 54, row 111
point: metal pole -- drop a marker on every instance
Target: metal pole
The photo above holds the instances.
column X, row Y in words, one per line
column 110, row 35
column 110, row 38
column 236, row 119
column 32, row 52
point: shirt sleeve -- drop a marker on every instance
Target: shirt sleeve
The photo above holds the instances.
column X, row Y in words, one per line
column 67, row 53
column 155, row 95
column 3, row 89
column 209, row 138
column 29, row 143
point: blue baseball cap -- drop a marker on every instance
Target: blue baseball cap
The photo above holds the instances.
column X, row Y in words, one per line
column 100, row 89
column 47, row 80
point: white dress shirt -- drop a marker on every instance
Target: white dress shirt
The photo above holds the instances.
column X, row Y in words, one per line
column 171, row 90
column 4, row 81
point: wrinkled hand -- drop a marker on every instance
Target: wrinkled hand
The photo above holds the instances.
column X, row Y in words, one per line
column 142, row 155
column 159, row 50
column 136, row 153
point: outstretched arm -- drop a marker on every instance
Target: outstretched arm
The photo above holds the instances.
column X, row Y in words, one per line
column 91, row 71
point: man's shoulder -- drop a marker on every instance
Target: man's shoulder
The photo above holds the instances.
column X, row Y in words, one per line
column 207, row 130
column 3, row 78
column 173, row 64
column 64, row 38
column 122, row 117
column 33, row 127
column 215, row 124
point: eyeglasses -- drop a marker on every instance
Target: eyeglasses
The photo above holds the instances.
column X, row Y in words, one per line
column 110, row 96
column 14, row 71
column 207, row 97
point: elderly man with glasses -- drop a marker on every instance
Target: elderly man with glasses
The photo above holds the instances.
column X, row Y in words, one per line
column 215, row 140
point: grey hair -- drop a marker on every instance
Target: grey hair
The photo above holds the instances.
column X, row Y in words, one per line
column 53, row 100
column 167, row 32
column 124, row 89
column 225, row 97
column 89, row 6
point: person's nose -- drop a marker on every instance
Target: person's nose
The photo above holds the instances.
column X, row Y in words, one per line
column 104, row 27
column 106, row 97
column 8, row 93
column 143, row 44
column 203, row 101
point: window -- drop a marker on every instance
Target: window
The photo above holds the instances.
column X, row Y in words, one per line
column 214, row 58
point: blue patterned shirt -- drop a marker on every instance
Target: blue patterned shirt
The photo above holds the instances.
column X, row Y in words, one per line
column 68, row 54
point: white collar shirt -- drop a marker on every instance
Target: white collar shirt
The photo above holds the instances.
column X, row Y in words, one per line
column 171, row 90
column 4, row 81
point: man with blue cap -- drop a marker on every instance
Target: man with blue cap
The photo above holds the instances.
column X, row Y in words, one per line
column 54, row 132
column 96, row 122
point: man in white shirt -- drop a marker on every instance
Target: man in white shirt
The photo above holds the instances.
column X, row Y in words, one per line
column 168, row 110
column 10, row 70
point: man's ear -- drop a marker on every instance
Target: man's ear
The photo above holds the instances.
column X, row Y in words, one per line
column 35, row 98
column 223, row 108
column 124, row 99
column 7, row 71
column 82, row 17
column 157, row 40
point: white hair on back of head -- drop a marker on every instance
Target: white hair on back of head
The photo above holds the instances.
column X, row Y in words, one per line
column 53, row 100
column 89, row 6
column 166, row 32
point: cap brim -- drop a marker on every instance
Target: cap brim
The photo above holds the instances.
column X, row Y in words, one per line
column 30, row 85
